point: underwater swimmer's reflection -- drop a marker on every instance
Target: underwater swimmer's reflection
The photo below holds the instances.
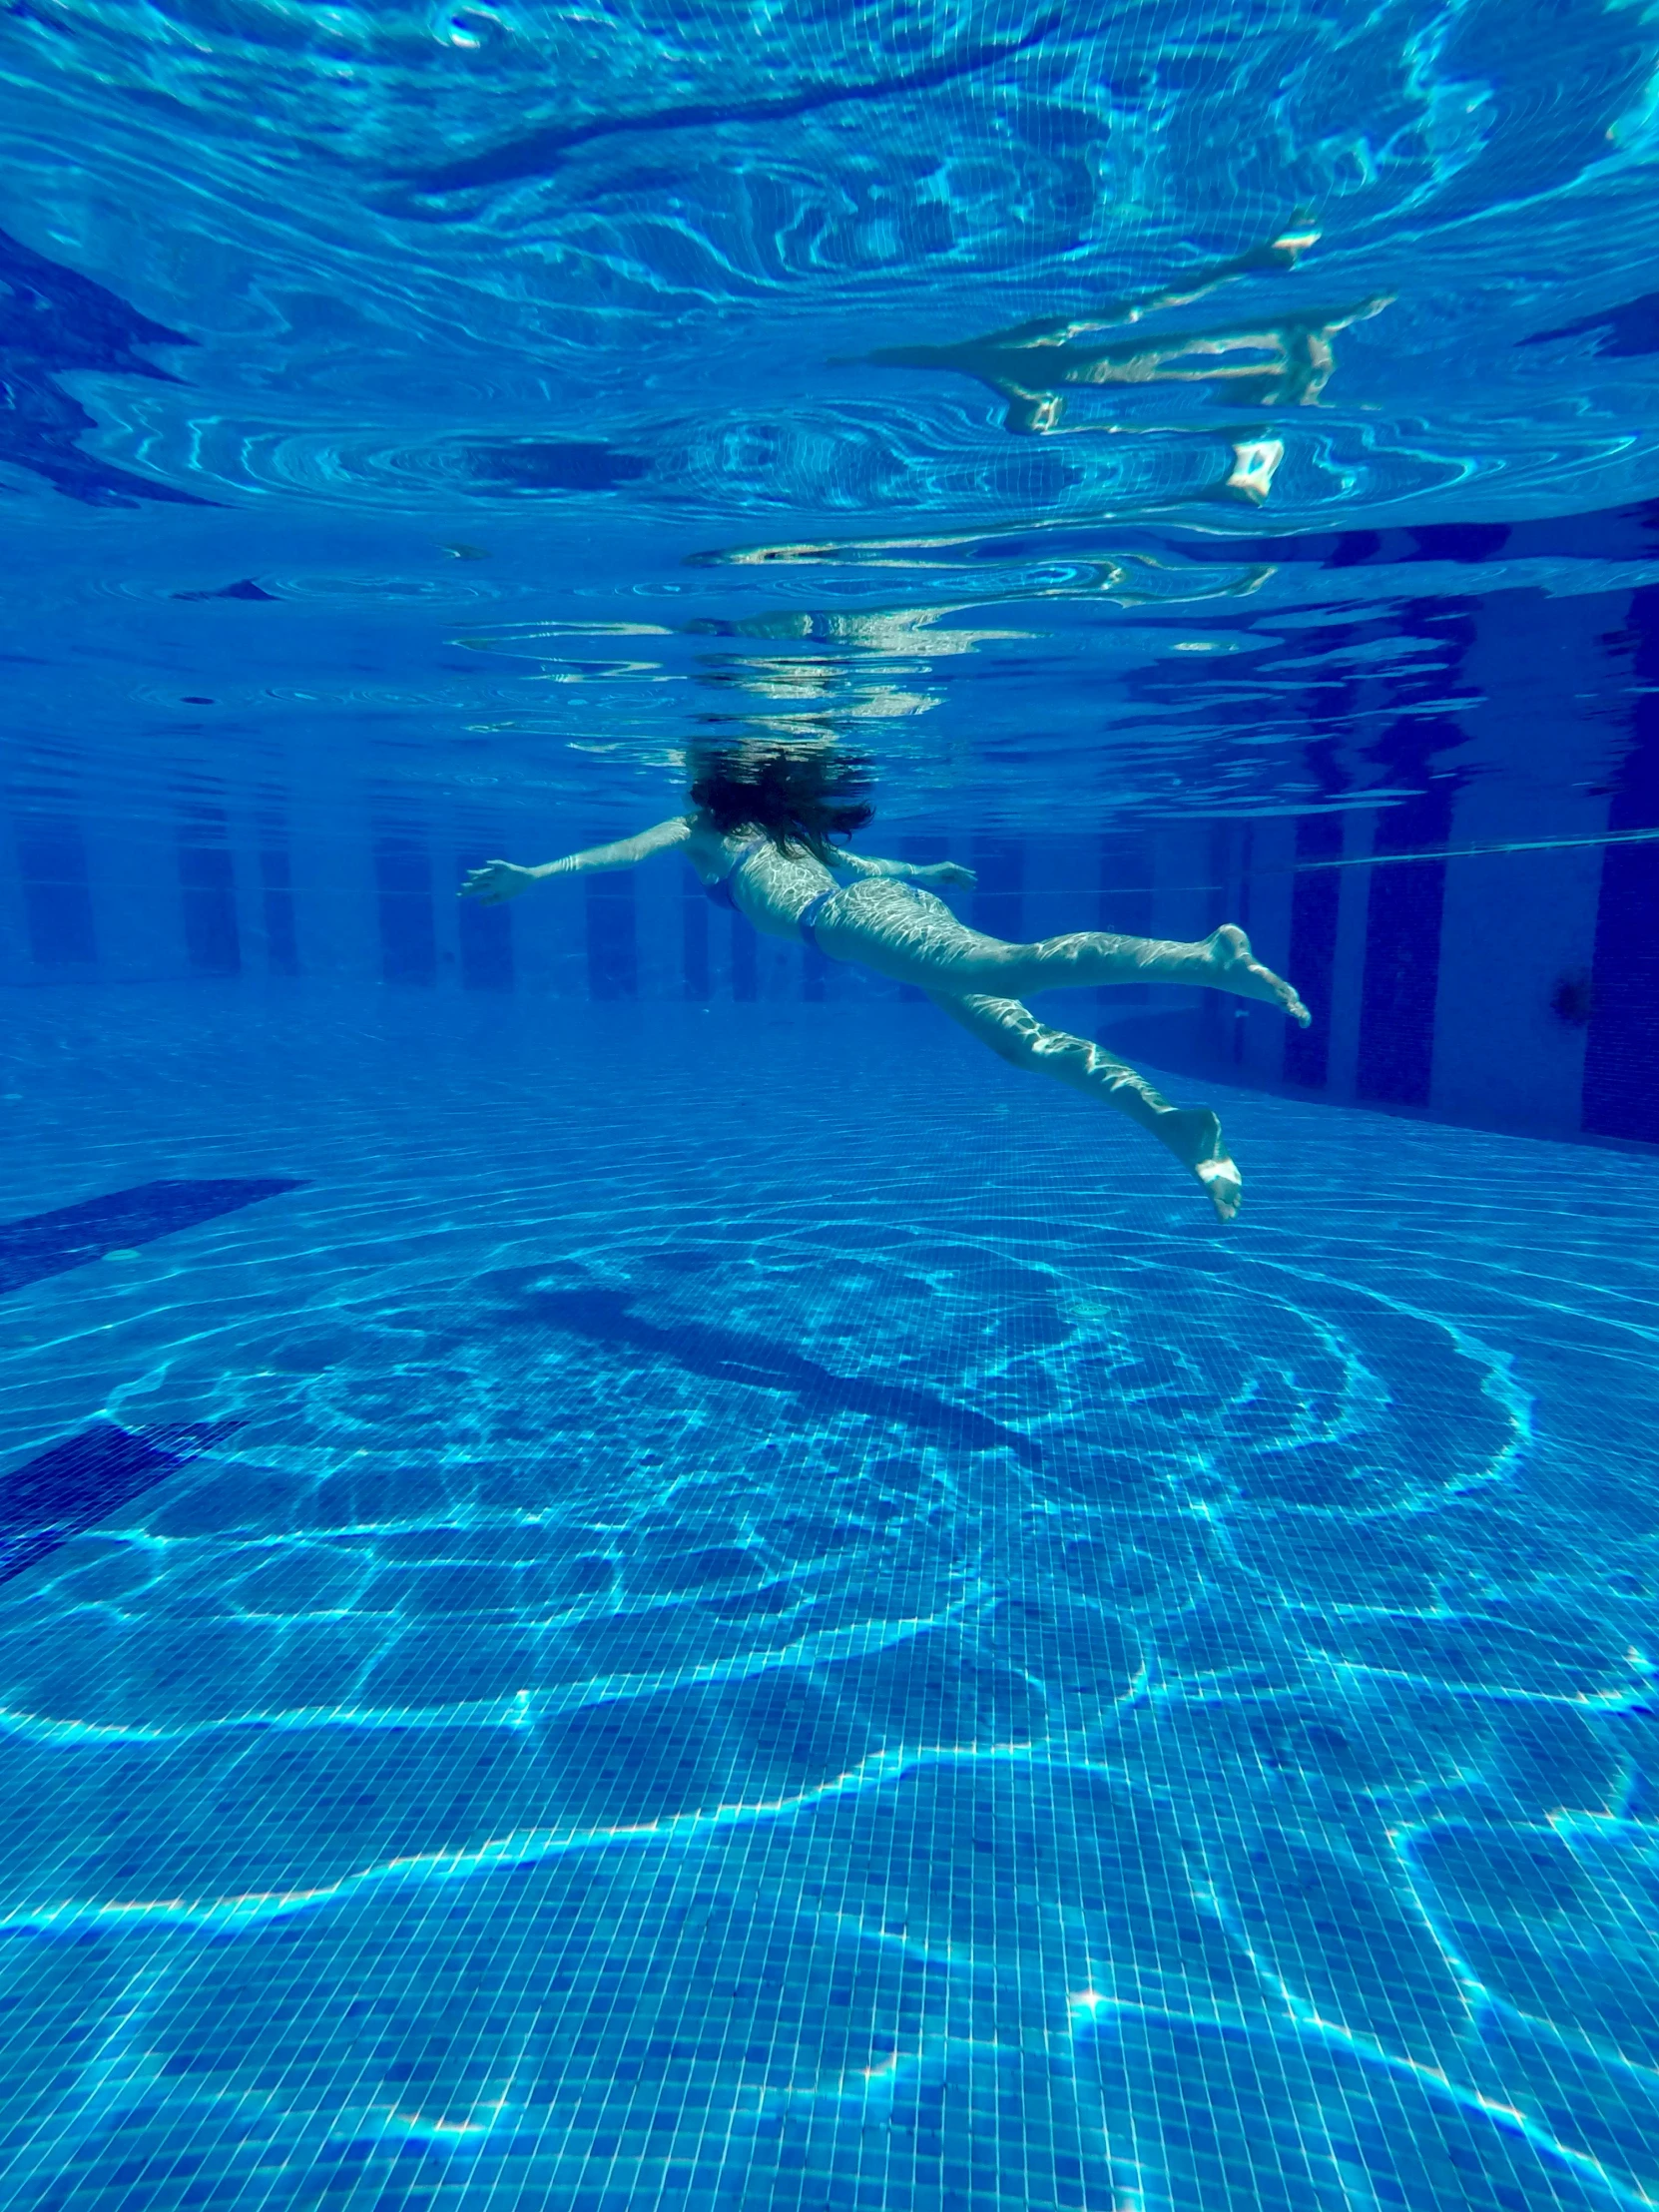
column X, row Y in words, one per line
column 758, row 839
column 1265, row 361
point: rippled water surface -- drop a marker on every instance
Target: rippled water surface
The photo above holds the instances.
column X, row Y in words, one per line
column 567, row 371
column 629, row 1575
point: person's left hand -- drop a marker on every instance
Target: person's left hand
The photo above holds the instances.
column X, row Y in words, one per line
column 952, row 873
column 496, row 882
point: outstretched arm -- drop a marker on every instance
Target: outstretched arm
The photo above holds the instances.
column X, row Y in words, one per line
column 907, row 871
column 498, row 880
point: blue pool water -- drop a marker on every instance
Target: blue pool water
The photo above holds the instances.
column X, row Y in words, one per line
column 631, row 1575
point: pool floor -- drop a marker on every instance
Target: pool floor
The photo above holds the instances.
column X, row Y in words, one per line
column 740, row 1607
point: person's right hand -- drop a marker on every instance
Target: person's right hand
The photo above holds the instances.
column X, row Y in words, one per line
column 952, row 871
column 496, row 882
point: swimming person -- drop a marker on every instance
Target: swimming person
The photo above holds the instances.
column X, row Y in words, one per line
column 759, row 839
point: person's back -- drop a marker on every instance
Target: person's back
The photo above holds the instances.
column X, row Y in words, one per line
column 748, row 870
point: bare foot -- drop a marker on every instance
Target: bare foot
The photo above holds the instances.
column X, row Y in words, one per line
column 1225, row 1185
column 1193, row 1134
column 1244, row 975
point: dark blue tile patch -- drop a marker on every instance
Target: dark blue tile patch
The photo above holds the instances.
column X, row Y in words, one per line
column 999, row 904
column 208, row 891
column 1621, row 1056
column 82, row 1480
column 1405, row 904
column 1315, row 906
column 403, row 901
column 1125, row 907
column 59, row 917
column 1227, row 899
column 1621, row 1049
column 1403, row 957
column 57, row 899
column 282, row 949
column 613, row 941
column 42, row 1245
column 50, row 851
column 1127, row 873
column 694, row 944
column 746, row 959
column 485, row 937
column 1315, row 889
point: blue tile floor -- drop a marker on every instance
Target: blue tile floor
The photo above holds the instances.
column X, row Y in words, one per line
column 786, row 1623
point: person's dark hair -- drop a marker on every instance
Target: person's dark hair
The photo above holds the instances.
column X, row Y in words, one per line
column 800, row 796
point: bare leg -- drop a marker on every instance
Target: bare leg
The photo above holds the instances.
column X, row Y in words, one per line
column 1015, row 1034
column 915, row 938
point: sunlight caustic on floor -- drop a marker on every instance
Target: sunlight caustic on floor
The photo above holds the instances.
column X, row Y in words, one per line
column 781, row 1630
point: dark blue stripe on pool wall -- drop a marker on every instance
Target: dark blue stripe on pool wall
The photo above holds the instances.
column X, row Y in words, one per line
column 1124, row 908
column 1621, row 1049
column 208, row 895
column 1402, row 957
column 1317, row 897
column 74, row 1485
column 281, row 951
column 57, row 902
column 746, row 959
column 43, row 1244
column 1316, row 903
column 1127, row 869
column 408, row 934
column 999, row 904
column 613, row 941
column 693, row 941
column 484, row 936
column 1405, row 905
